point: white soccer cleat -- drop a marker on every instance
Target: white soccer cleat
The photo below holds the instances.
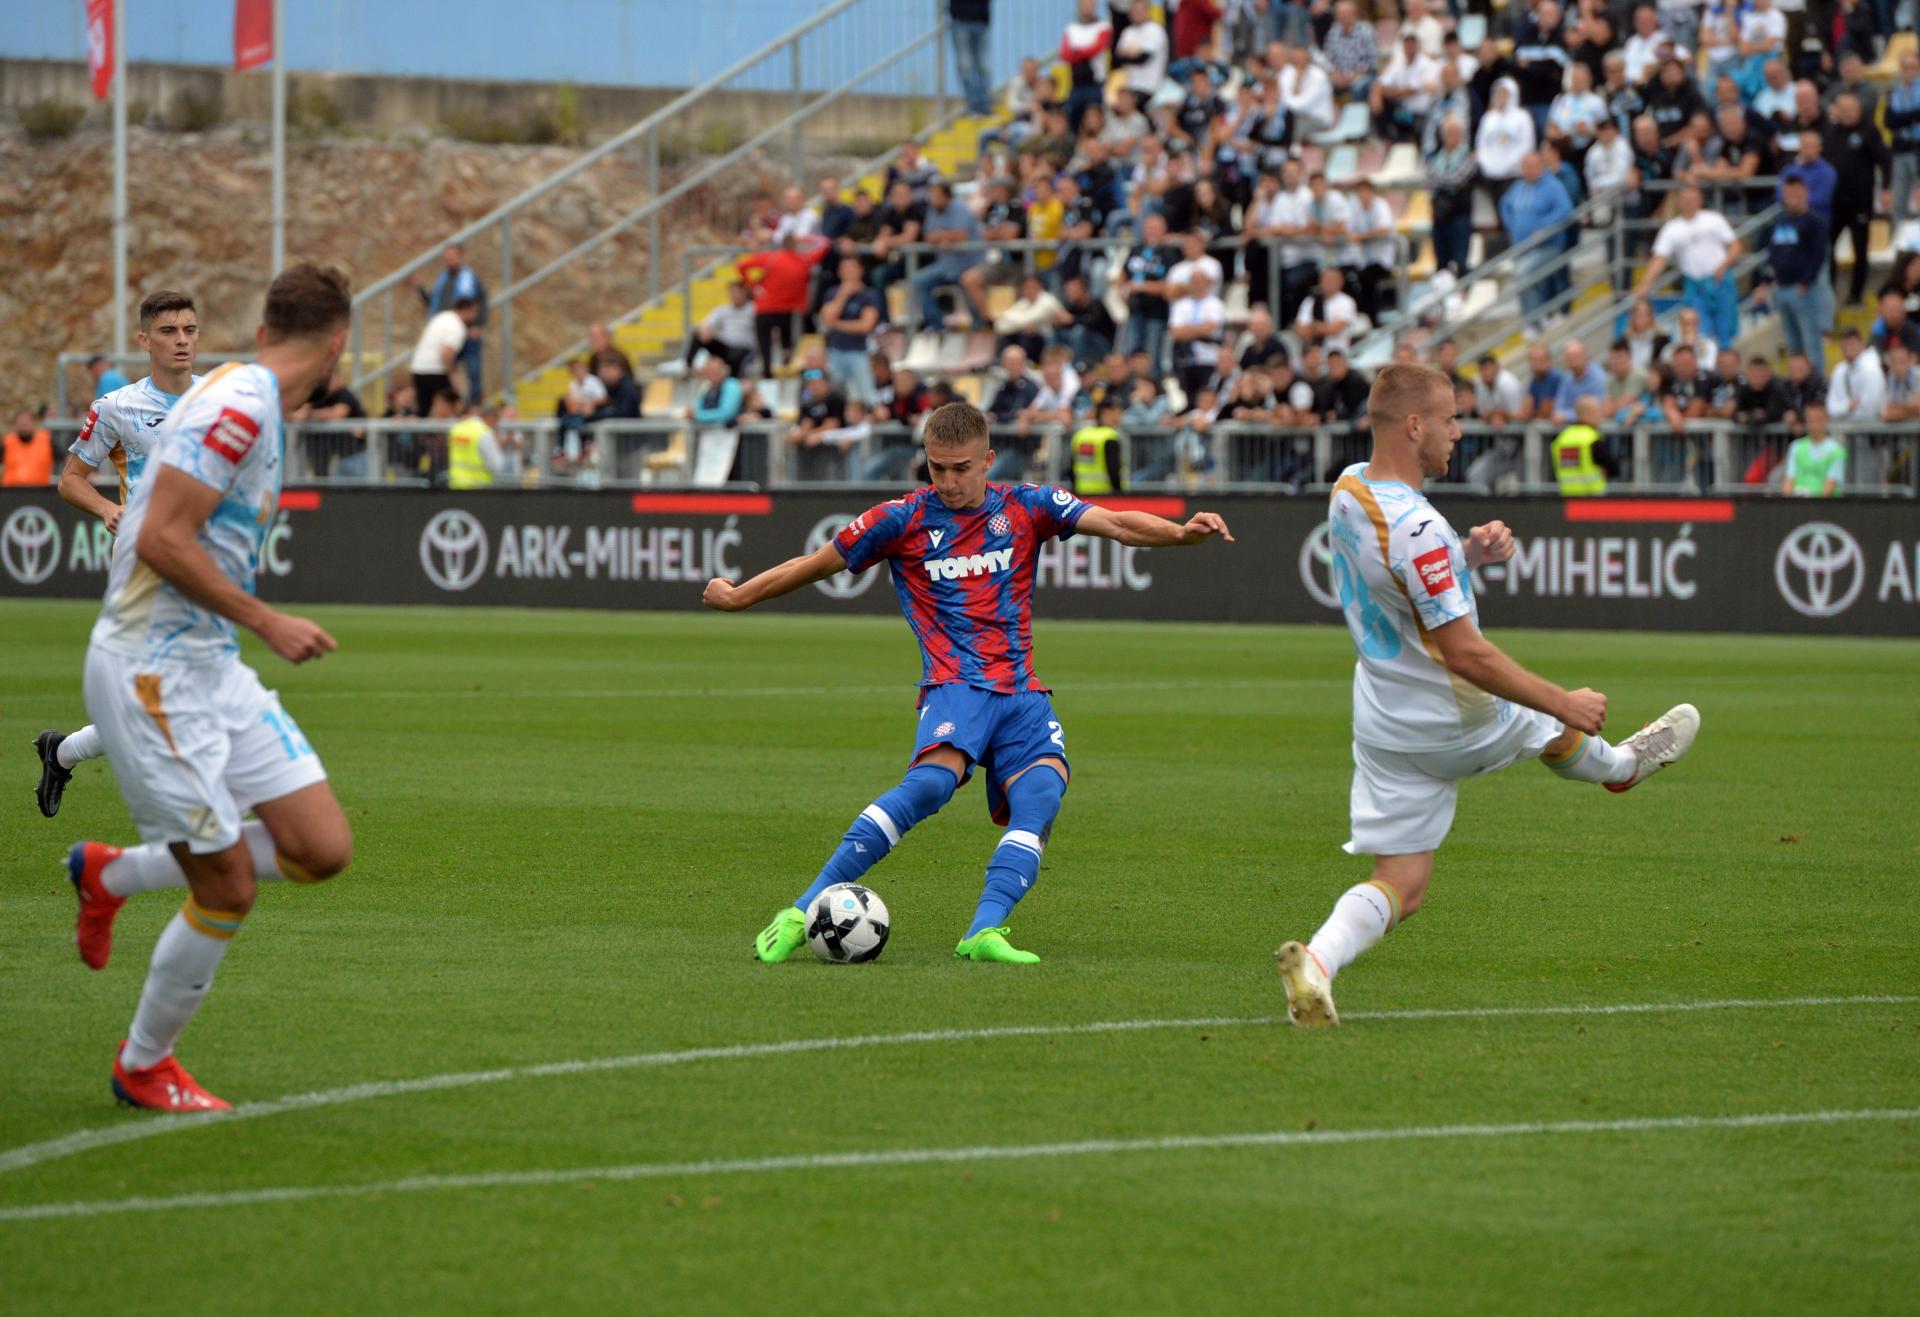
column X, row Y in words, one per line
column 1309, row 990
column 1659, row 743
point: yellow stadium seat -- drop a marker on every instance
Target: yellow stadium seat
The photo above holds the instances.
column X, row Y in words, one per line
column 659, row 399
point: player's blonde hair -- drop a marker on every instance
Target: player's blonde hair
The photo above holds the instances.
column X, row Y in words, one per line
column 956, row 425
column 1401, row 390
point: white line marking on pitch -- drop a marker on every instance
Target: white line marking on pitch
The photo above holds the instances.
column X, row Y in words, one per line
column 932, row 1156
column 134, row 1130
column 775, row 692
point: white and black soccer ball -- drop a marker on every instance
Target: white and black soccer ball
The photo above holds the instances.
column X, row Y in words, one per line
column 847, row 924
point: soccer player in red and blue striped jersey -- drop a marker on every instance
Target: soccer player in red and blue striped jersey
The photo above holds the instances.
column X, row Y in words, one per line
column 963, row 554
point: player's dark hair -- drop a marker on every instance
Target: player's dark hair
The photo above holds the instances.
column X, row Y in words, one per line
column 956, row 425
column 157, row 304
column 307, row 300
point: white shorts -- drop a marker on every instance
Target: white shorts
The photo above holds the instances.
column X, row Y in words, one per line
column 194, row 747
column 1402, row 803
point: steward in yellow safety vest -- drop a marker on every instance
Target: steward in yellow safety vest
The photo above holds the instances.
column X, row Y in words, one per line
column 468, row 446
column 1578, row 461
column 1098, row 463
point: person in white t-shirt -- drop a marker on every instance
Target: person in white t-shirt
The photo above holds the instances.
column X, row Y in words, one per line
column 1404, row 92
column 439, row 346
column 1434, row 701
column 1370, row 220
column 1194, row 260
column 1330, row 315
column 1198, row 327
column 1704, row 246
column 1307, row 92
column 1142, row 52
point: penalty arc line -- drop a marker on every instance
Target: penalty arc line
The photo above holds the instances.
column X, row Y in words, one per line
column 82, row 1141
column 936, row 1156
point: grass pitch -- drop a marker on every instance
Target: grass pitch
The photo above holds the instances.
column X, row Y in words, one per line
column 569, row 826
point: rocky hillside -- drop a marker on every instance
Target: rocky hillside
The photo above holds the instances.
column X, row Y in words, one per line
column 200, row 209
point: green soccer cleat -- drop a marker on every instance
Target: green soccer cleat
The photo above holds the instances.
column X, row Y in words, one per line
column 991, row 944
column 780, row 939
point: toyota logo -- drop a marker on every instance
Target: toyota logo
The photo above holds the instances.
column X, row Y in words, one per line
column 841, row 585
column 1820, row 569
column 453, row 549
column 1316, row 567
column 30, row 545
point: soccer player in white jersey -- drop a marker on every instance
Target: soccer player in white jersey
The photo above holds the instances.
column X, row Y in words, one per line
column 194, row 739
column 1434, row 701
column 120, row 428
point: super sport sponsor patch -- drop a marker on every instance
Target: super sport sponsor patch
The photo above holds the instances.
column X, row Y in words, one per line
column 232, row 434
column 1435, row 567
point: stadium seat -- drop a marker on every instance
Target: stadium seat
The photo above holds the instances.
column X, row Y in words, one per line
column 1354, row 123
column 1343, row 165
column 1473, row 31
column 659, row 398
column 1402, row 167
column 923, row 354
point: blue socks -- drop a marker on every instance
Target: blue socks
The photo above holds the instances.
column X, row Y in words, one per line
column 1033, row 802
column 882, row 824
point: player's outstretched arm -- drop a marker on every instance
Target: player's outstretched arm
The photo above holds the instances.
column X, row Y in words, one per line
column 789, row 576
column 1472, row 657
column 76, row 487
column 168, row 543
column 1143, row 530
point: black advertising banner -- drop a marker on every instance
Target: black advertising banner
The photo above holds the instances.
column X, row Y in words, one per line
column 1841, row 567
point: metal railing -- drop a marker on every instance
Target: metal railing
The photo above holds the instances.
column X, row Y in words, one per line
column 807, row 93
column 134, row 365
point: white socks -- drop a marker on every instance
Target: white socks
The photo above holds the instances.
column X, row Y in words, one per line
column 1593, row 760
column 152, row 868
column 77, row 747
column 1360, row 918
column 189, row 950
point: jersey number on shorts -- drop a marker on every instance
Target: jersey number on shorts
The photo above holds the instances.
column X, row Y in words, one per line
column 289, row 733
column 1378, row 638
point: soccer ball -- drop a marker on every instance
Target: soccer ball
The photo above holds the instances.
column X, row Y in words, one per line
column 847, row 924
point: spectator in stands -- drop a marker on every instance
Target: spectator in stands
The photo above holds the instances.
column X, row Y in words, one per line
column 1148, row 295
column 1083, row 47
column 105, row 375
column 1454, row 100
column 1540, row 60
column 1723, row 393
column 439, row 348
column 836, row 219
column 1761, row 402
column 1643, row 338
column 949, row 224
column 1543, row 383
column 1352, row 51
column 899, row 222
column 1626, row 383
column 586, row 394
column 1853, row 78
column 727, row 331
column 1808, row 119
column 1053, row 401
column 1687, row 333
column 1857, row 388
column 1193, row 26
column 1735, row 154
column 1084, row 324
column 1451, row 174
column 26, row 452
column 1903, row 384
column 1644, row 47
column 1197, row 324
column 969, row 21
column 1797, row 251
column 1374, row 251
column 1142, row 51
column 1017, row 388
column 797, row 219
column 1773, row 104
column 1859, row 156
column 1894, row 325
column 1533, row 206
column 1574, row 117
column 1582, row 378
column 1607, row 169
column 1813, row 170
column 1498, row 396
column 821, row 412
column 1720, row 41
column 1816, row 462
column 1688, row 389
column 1307, row 92
column 913, row 169
column 1341, row 398
column 1804, row 384
column 1903, row 122
column 333, row 401
column 850, row 317
column 780, row 295
column 600, row 345
column 1261, row 345
column 718, row 404
column 1147, row 405
column 1030, row 319
column 1672, row 99
column 1405, row 91
column 1504, row 139
column 1330, row 317
column 623, row 395
column 1703, row 245
column 405, row 453
column 457, row 281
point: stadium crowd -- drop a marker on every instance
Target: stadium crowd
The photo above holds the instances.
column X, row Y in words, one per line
column 1178, row 257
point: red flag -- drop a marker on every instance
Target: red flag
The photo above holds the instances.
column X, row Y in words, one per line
column 253, row 34
column 100, row 40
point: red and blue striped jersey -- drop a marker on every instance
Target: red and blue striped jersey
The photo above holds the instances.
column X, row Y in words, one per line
column 965, row 578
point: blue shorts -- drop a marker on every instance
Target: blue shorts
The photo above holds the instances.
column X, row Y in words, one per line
column 1003, row 734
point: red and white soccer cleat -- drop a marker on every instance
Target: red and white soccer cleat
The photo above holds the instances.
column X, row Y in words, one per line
column 93, row 931
column 163, row 1086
